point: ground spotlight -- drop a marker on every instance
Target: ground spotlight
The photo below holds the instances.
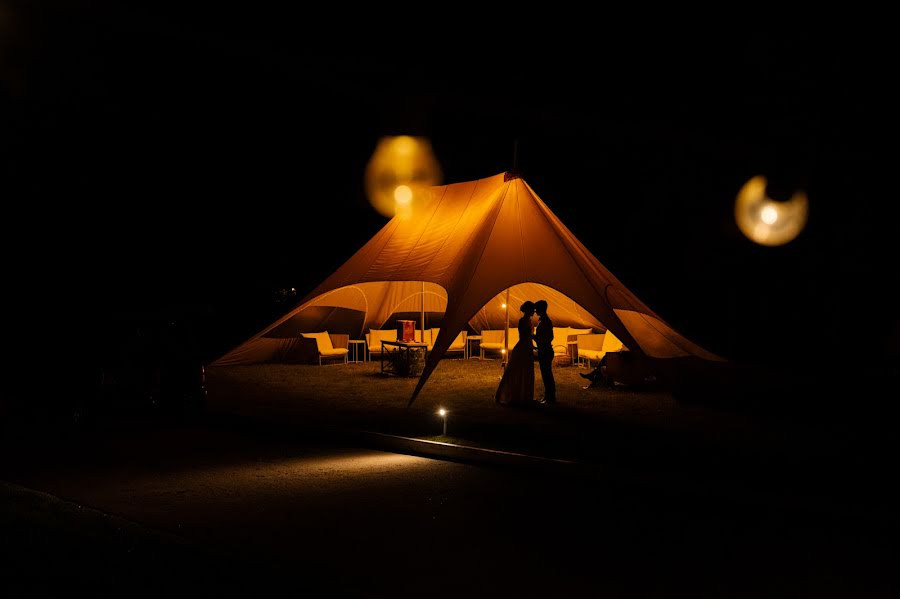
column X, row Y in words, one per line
column 443, row 414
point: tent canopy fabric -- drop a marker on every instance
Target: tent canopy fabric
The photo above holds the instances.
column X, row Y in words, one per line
column 469, row 244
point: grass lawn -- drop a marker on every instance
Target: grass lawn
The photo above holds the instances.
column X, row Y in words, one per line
column 54, row 547
column 585, row 424
column 838, row 450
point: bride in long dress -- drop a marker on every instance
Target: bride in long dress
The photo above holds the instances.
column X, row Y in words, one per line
column 517, row 384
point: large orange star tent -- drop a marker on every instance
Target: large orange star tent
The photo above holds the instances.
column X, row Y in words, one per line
column 459, row 254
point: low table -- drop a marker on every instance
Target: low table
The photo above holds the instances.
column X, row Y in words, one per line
column 572, row 348
column 469, row 339
column 357, row 345
column 403, row 349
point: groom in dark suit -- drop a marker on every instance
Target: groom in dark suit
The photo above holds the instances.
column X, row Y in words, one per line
column 543, row 336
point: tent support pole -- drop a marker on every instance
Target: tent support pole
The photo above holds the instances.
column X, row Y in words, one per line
column 506, row 332
column 423, row 314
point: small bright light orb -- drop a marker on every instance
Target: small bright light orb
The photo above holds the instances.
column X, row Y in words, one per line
column 503, row 306
column 442, row 412
column 400, row 175
column 767, row 221
column 403, row 194
column 503, row 351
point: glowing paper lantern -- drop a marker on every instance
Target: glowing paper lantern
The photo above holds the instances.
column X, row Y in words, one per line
column 767, row 221
column 399, row 175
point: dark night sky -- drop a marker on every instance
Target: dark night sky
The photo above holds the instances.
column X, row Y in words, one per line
column 185, row 156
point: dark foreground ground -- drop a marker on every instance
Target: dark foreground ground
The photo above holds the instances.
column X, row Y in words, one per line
column 267, row 494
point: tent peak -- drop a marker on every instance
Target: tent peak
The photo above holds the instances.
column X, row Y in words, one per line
column 511, row 174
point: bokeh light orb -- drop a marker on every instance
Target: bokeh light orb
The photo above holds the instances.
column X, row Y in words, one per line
column 766, row 221
column 400, row 174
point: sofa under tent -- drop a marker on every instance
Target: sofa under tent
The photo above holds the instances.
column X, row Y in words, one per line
column 458, row 256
